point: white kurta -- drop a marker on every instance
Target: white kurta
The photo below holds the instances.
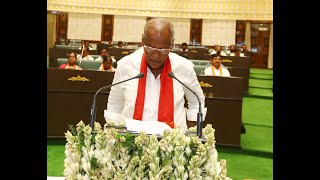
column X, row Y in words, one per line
column 208, row 72
column 88, row 57
column 101, row 59
column 122, row 98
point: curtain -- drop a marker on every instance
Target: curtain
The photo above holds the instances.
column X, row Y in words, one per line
column 247, row 38
column 51, row 31
column 270, row 57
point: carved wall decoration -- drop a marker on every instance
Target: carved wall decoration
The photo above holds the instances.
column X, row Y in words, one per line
column 62, row 26
column 107, row 28
column 196, row 31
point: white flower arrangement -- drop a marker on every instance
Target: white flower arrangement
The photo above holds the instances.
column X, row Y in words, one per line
column 108, row 154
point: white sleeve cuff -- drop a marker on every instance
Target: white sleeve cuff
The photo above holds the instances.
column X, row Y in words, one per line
column 113, row 117
column 192, row 114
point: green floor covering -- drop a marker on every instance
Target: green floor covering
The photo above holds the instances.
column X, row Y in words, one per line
column 261, row 83
column 260, row 71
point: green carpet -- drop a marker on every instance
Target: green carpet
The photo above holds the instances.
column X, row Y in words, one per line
column 55, row 157
column 261, row 93
column 261, row 76
column 243, row 166
column 257, row 139
column 260, row 71
column 260, row 83
column 257, row 111
column 253, row 161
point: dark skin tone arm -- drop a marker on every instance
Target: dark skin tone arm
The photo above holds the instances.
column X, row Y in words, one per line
column 191, row 123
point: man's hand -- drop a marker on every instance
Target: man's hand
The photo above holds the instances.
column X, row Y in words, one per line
column 191, row 123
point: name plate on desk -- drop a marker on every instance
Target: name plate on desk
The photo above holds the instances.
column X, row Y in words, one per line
column 223, row 87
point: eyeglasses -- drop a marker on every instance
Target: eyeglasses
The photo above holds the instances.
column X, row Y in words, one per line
column 151, row 50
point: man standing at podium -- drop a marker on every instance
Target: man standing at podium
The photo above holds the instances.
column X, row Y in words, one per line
column 156, row 96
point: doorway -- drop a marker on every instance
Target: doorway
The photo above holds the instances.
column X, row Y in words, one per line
column 260, row 35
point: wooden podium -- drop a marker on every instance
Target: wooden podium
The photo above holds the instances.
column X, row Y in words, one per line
column 70, row 95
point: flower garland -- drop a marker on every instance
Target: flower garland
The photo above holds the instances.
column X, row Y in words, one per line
column 106, row 153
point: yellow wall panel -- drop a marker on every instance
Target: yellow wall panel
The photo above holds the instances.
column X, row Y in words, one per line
column 204, row 9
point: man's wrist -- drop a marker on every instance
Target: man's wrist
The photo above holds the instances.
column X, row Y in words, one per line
column 191, row 123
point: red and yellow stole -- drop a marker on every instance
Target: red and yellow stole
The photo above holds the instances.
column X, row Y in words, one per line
column 102, row 67
column 212, row 68
column 166, row 107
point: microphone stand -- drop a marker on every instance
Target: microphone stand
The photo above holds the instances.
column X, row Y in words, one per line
column 81, row 55
column 93, row 107
column 199, row 115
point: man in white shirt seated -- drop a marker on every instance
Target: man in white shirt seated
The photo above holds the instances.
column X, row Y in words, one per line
column 218, row 50
column 104, row 51
column 85, row 54
column 156, row 96
column 216, row 68
column 235, row 51
column 85, row 43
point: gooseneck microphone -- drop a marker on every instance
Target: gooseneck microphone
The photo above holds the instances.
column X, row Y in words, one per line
column 93, row 107
column 199, row 115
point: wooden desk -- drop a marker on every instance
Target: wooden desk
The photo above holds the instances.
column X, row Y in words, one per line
column 238, row 67
column 69, row 101
column 224, row 108
column 119, row 53
column 55, row 53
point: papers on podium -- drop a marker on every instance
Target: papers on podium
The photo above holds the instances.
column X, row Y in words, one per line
column 149, row 127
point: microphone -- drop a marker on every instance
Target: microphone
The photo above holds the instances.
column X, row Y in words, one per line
column 82, row 48
column 199, row 115
column 93, row 107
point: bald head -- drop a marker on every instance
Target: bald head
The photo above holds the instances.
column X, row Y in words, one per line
column 157, row 27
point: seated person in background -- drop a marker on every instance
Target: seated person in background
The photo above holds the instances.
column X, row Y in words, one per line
column 235, row 51
column 238, row 53
column 218, row 50
column 215, row 69
column 85, row 43
column 245, row 51
column 106, row 64
column 184, row 47
column 104, row 51
column 184, row 50
column 120, row 44
column 72, row 62
column 67, row 42
column 82, row 44
column 213, row 51
column 232, row 49
column 85, row 54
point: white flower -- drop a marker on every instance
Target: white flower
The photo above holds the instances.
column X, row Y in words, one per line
column 105, row 154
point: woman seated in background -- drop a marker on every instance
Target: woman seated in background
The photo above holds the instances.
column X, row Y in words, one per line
column 72, row 62
column 106, row 64
column 216, row 69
